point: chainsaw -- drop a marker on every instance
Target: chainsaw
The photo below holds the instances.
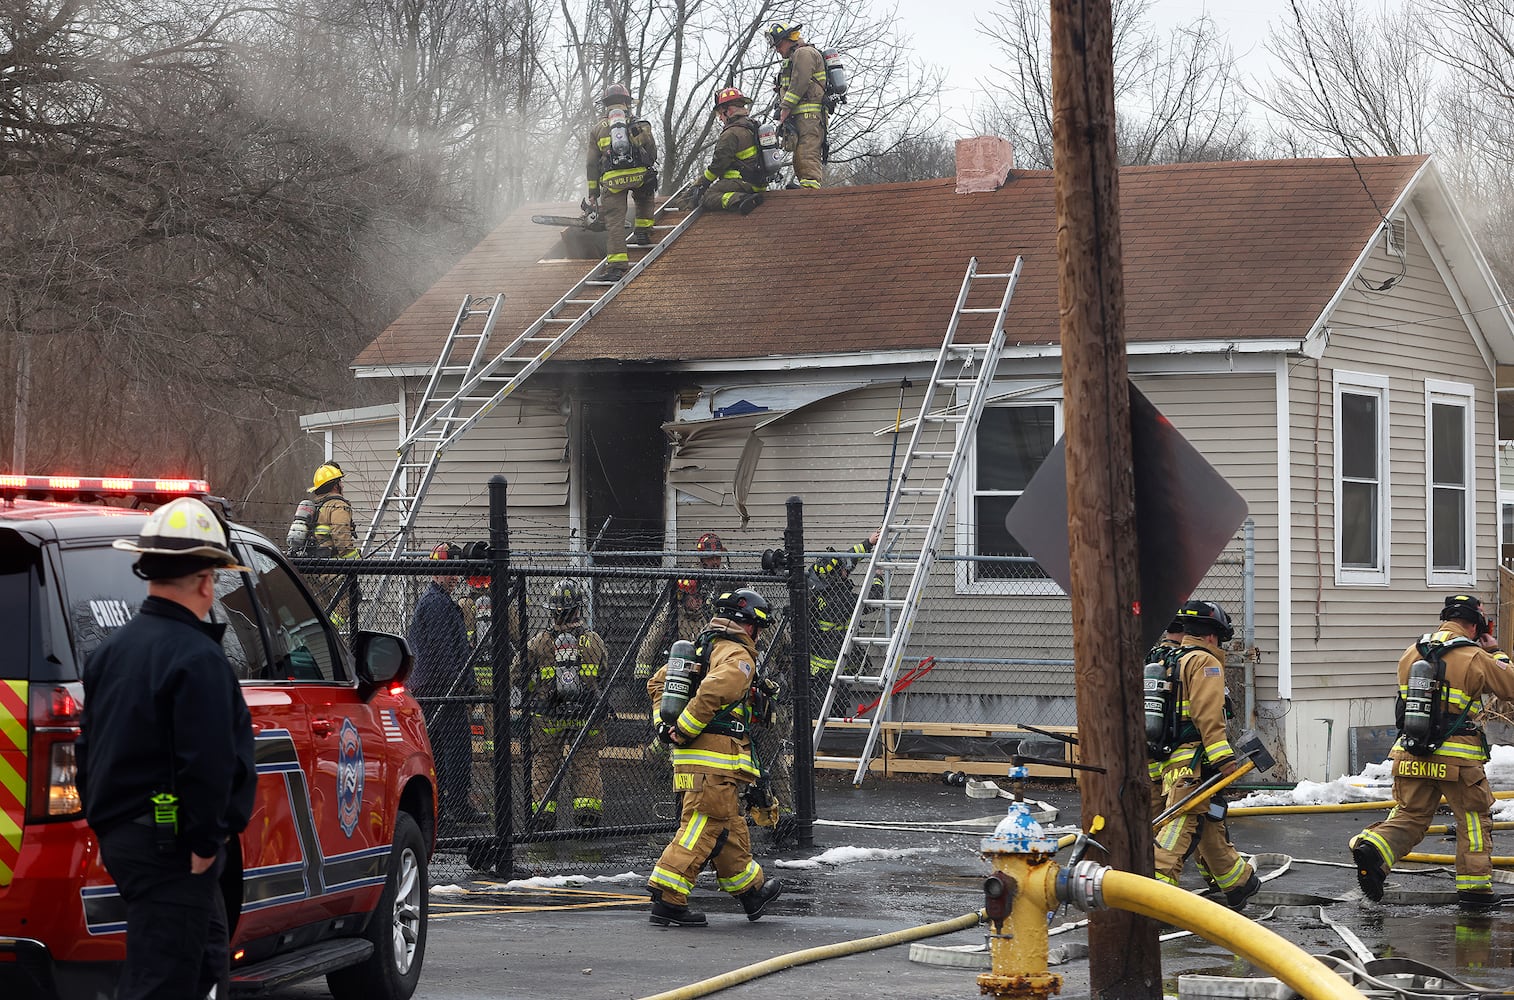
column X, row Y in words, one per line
column 590, row 221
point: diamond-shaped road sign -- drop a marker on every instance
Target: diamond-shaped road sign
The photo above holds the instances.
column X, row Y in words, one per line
column 1186, row 513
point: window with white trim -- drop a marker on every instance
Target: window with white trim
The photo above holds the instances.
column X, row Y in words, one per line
column 1361, row 479
column 1012, row 441
column 1450, row 489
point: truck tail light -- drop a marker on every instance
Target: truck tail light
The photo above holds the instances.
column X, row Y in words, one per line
column 55, row 712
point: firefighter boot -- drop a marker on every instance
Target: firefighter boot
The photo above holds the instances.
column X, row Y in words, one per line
column 755, row 901
column 1479, row 900
column 746, row 202
column 612, row 272
column 668, row 915
column 1236, row 898
column 1371, row 872
column 641, row 237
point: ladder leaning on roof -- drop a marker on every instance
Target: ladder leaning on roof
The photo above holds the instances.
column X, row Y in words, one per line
column 440, row 420
column 906, row 546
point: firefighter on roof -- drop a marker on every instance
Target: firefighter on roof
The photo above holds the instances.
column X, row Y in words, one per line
column 621, row 163
column 1441, row 750
column 712, row 765
column 801, row 97
column 736, row 177
column 1201, row 750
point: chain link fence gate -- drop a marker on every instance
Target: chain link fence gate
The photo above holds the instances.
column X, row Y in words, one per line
column 991, row 651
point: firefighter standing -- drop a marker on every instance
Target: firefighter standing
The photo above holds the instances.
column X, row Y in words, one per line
column 681, row 618
column 1203, row 750
column 1440, row 724
column 563, row 664
column 322, row 526
column 712, row 763
column 621, row 162
column 165, row 759
column 832, row 601
column 443, row 670
column 735, row 178
column 801, row 100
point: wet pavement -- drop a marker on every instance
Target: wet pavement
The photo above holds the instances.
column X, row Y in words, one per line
column 915, row 861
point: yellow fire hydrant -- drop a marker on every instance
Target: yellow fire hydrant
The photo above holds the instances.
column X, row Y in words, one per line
column 1019, row 895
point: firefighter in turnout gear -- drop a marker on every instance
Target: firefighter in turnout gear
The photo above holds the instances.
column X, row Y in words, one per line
column 735, row 178
column 1202, row 750
column 322, row 525
column 682, row 617
column 1441, row 750
column 563, row 664
column 832, row 601
column 712, row 765
column 621, row 162
column 801, row 100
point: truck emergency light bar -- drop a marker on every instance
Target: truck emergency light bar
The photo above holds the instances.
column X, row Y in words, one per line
column 70, row 487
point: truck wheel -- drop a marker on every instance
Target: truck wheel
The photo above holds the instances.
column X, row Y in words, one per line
column 397, row 927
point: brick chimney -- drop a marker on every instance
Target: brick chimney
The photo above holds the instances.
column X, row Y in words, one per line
column 983, row 163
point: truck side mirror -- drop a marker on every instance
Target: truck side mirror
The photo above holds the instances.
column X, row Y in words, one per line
column 382, row 659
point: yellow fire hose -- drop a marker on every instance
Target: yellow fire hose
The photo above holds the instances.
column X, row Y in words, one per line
column 839, row 949
column 1287, row 961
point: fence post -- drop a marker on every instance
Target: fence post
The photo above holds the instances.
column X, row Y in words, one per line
column 499, row 667
column 1248, row 627
column 799, row 676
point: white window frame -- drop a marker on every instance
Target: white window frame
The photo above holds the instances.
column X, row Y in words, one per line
column 1464, row 395
column 967, row 489
column 1364, row 384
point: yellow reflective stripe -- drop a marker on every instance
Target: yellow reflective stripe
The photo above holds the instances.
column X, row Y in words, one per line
column 807, row 109
column 1219, row 750
column 645, row 223
column 1462, row 751
column 732, row 175
column 584, row 802
column 13, row 771
column 671, row 880
column 593, row 184
column 740, row 763
column 708, row 175
column 692, row 832
column 1472, row 823
column 1378, row 842
column 548, row 673
column 1464, row 882
column 1166, row 878
column 604, row 142
column 689, row 723
column 1167, row 837
column 1231, row 877
column 746, row 154
column 615, row 258
column 742, row 880
column 592, row 669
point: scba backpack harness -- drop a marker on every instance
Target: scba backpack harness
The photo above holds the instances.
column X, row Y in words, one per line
column 688, row 662
column 1165, row 728
column 1422, row 708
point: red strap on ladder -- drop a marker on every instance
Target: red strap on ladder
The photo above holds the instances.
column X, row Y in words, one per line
column 911, row 675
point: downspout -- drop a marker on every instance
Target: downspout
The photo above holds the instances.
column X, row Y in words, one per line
column 1284, row 537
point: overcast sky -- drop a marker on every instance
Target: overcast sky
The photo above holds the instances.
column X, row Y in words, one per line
column 945, row 33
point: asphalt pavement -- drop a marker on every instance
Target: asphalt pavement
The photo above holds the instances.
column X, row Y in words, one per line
column 895, row 855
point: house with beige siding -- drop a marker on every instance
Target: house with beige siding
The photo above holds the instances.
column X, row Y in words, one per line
column 1325, row 332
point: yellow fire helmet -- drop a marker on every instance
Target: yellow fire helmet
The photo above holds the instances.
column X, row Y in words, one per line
column 324, row 475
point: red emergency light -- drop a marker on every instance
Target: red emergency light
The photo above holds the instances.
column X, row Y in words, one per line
column 71, row 487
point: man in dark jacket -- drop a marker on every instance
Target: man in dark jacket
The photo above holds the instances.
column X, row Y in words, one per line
column 165, row 760
column 443, row 669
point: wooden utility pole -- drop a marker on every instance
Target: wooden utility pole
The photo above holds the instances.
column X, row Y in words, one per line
column 1124, row 956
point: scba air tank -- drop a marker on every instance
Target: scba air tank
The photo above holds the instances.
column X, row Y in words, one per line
column 621, row 153
column 1158, row 684
column 1421, row 693
column 682, row 678
column 835, row 72
column 771, row 145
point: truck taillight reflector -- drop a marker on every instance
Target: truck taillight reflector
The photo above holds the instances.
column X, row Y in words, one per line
column 56, row 710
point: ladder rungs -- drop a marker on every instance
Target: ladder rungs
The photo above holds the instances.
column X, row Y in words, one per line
column 819, row 759
column 909, row 527
column 883, row 602
column 893, row 564
column 866, row 680
column 579, row 302
column 985, row 274
column 931, row 454
column 945, row 418
column 976, row 309
column 914, row 491
column 872, row 640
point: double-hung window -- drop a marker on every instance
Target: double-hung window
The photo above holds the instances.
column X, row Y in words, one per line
column 1450, row 485
column 1011, row 443
column 1361, row 479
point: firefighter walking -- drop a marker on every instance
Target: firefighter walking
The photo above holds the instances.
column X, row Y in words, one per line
column 1441, row 750
column 712, row 765
column 801, row 100
column 1198, row 749
column 563, row 664
column 621, row 166
column 735, row 179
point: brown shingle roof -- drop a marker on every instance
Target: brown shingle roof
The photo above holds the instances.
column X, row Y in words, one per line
column 1242, row 250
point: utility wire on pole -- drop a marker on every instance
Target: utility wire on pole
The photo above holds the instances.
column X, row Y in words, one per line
column 1124, row 956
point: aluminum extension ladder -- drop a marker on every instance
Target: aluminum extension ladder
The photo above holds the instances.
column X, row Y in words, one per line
column 906, row 545
column 440, row 420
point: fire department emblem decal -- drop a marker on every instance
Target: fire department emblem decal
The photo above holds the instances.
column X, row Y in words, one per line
column 349, row 777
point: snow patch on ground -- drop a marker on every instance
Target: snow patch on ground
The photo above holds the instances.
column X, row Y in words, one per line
column 571, row 881
column 1375, row 783
column 852, row 855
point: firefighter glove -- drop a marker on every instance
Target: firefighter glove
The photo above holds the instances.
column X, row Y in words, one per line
column 667, row 734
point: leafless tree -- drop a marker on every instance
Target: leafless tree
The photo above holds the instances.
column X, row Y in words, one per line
column 1353, row 80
